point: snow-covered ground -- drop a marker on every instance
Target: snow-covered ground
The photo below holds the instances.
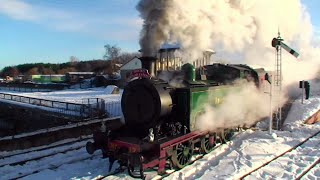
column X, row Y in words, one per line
column 248, row 150
column 78, row 96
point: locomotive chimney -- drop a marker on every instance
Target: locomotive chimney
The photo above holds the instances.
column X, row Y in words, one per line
column 149, row 62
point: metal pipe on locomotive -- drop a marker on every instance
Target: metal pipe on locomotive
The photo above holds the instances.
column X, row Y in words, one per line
column 160, row 118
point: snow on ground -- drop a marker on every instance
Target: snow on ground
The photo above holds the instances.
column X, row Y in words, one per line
column 78, row 96
column 248, row 150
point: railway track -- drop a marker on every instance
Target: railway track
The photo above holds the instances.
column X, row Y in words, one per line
column 36, row 159
column 37, row 164
column 309, row 169
column 36, row 154
column 49, row 136
column 53, row 167
column 59, row 149
column 46, row 147
column 297, row 149
column 169, row 172
column 152, row 173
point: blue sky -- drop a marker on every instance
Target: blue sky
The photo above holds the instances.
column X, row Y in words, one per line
column 51, row 31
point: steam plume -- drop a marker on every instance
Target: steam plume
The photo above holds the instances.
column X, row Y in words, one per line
column 245, row 107
column 241, row 27
column 234, row 28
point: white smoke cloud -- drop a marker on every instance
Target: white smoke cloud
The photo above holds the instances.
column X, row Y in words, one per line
column 244, row 107
column 243, row 27
column 175, row 79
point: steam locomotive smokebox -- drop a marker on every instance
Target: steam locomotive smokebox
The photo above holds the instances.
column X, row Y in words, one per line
column 143, row 103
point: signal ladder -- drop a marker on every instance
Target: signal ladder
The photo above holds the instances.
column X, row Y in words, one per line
column 277, row 88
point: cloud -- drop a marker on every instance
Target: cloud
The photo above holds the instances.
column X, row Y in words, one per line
column 17, row 10
column 97, row 25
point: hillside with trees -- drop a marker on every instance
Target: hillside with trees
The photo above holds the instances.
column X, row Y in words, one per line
column 109, row 64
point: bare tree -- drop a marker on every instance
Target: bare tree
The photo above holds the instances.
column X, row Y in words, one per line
column 33, row 71
column 112, row 52
column 73, row 60
column 14, row 72
column 66, row 70
column 47, row 71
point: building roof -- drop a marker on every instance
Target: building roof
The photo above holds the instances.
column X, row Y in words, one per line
column 211, row 51
column 177, row 46
column 167, row 46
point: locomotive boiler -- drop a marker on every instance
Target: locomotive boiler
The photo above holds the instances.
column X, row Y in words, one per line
column 161, row 117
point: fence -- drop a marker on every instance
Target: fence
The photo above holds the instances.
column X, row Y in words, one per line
column 94, row 107
column 71, row 109
column 99, row 107
column 90, row 108
column 113, row 109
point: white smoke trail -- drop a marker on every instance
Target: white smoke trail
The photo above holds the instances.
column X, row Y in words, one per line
column 175, row 79
column 244, row 107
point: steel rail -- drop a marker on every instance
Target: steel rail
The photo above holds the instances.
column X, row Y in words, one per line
column 53, row 167
column 21, row 162
column 308, row 169
column 280, row 155
column 46, row 147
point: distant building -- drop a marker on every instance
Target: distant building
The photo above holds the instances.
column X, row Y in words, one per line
column 53, row 78
column 126, row 68
column 105, row 80
column 75, row 77
column 9, row 79
column 169, row 58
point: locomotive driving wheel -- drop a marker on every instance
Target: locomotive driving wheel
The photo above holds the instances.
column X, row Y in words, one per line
column 220, row 138
column 207, row 143
column 135, row 167
column 229, row 134
column 182, row 154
